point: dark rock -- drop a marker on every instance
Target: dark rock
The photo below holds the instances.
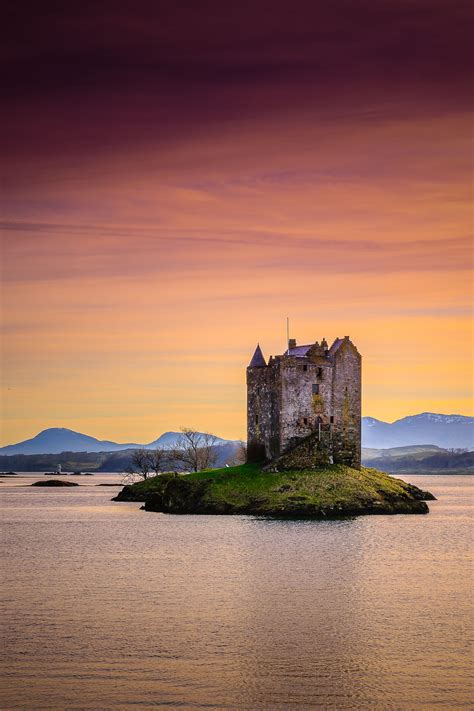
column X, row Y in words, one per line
column 55, row 482
column 138, row 492
column 419, row 494
column 128, row 493
column 306, row 453
column 179, row 495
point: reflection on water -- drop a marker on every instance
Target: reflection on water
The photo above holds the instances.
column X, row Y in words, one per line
column 106, row 606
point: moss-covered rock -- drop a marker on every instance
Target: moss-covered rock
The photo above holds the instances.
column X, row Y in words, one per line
column 139, row 490
column 311, row 452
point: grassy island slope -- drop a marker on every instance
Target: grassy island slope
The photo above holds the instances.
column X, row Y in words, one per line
column 333, row 491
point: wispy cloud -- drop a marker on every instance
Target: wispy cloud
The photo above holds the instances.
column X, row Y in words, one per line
column 177, row 185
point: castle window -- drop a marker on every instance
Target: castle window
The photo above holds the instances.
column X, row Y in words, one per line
column 305, row 368
column 305, row 420
column 319, row 373
column 331, row 419
column 315, row 389
column 256, row 419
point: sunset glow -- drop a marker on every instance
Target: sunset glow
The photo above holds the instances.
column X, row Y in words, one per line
column 157, row 225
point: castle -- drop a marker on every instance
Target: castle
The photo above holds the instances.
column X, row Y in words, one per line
column 307, row 400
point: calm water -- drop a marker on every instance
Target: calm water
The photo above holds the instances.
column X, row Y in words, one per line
column 105, row 606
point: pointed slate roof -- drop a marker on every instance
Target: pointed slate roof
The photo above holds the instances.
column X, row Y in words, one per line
column 258, row 361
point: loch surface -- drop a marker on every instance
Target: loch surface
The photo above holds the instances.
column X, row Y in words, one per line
column 105, row 606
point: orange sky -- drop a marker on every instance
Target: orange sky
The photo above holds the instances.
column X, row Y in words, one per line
column 140, row 267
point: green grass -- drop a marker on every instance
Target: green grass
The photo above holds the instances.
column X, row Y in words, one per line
column 332, row 486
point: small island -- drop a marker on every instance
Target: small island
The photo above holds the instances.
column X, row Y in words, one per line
column 54, row 482
column 303, row 448
column 327, row 492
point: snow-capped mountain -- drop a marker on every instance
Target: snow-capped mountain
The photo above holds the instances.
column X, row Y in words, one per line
column 426, row 428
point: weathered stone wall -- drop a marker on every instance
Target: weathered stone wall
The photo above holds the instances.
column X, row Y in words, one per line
column 346, row 405
column 263, row 412
column 300, row 406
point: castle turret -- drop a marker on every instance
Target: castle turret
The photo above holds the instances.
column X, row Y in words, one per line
column 258, row 361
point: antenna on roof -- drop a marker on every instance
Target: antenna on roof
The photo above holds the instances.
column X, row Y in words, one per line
column 288, row 332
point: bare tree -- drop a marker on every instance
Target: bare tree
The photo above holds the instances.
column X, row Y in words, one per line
column 140, row 465
column 141, row 460
column 207, row 451
column 239, row 455
column 145, row 461
column 241, row 452
column 195, row 450
column 158, row 459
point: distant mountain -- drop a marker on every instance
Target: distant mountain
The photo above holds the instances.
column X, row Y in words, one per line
column 168, row 440
column 59, row 439
column 427, row 428
column 446, row 431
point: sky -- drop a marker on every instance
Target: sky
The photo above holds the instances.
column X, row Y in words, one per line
column 180, row 177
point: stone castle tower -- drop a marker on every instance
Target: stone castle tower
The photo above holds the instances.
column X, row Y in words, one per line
column 311, row 397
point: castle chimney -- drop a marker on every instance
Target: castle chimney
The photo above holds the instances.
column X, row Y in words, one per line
column 292, row 343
